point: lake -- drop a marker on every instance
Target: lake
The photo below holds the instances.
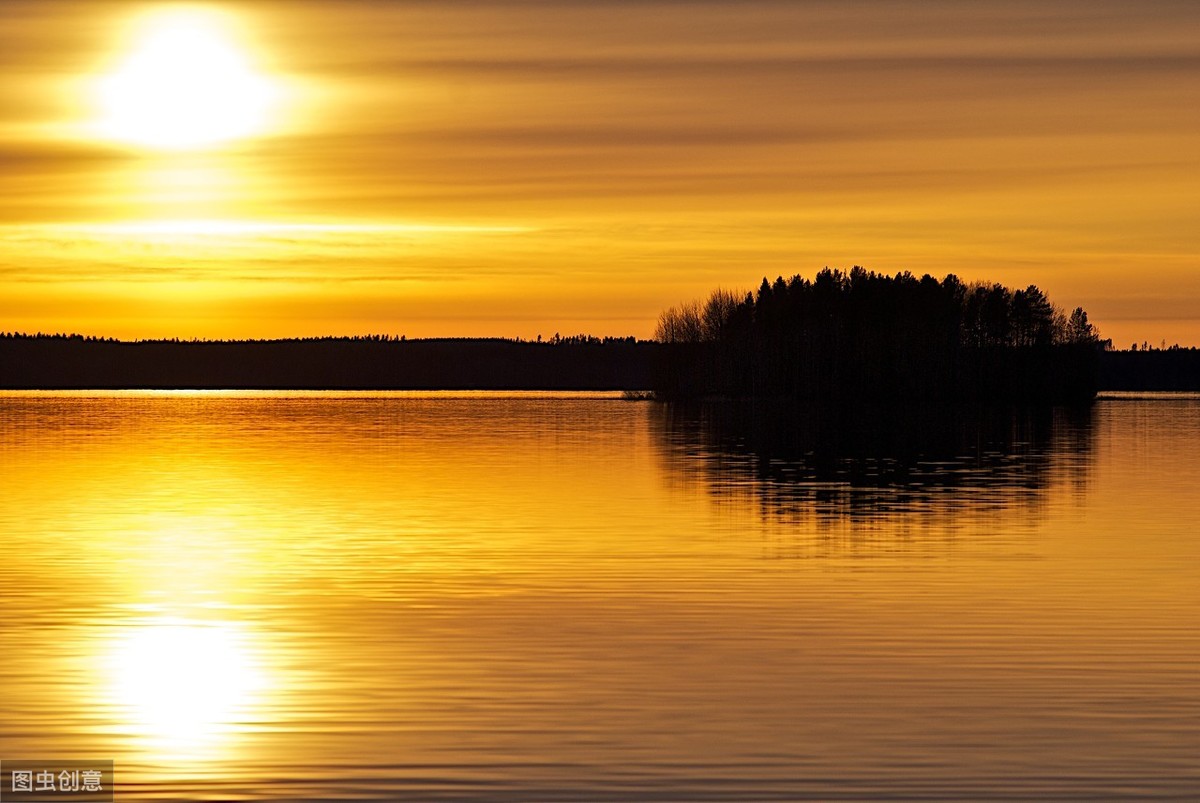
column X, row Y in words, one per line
column 556, row 597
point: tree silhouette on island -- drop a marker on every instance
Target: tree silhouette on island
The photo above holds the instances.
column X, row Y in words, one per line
column 861, row 335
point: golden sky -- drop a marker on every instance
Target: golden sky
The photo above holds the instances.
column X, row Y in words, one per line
column 514, row 168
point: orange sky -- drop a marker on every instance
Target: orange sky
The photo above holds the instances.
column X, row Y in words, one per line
column 531, row 167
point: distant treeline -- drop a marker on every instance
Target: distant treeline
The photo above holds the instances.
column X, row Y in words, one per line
column 1172, row 368
column 864, row 335
column 358, row 363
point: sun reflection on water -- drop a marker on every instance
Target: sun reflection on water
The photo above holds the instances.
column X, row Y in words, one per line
column 187, row 688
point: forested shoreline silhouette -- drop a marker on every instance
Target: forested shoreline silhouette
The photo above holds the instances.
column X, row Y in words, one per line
column 1151, row 369
column 372, row 362
column 868, row 336
column 843, row 335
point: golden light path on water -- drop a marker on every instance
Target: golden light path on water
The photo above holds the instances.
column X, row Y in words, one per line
column 187, row 677
column 185, row 687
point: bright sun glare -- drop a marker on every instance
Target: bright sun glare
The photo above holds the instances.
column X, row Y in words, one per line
column 186, row 83
column 186, row 685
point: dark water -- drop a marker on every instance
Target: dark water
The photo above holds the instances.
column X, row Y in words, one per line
column 471, row 597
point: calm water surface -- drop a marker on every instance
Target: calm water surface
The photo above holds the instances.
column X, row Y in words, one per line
column 554, row 598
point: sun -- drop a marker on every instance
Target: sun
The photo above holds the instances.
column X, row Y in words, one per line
column 185, row 82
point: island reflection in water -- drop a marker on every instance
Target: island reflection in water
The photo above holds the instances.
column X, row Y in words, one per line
column 553, row 597
column 934, row 467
